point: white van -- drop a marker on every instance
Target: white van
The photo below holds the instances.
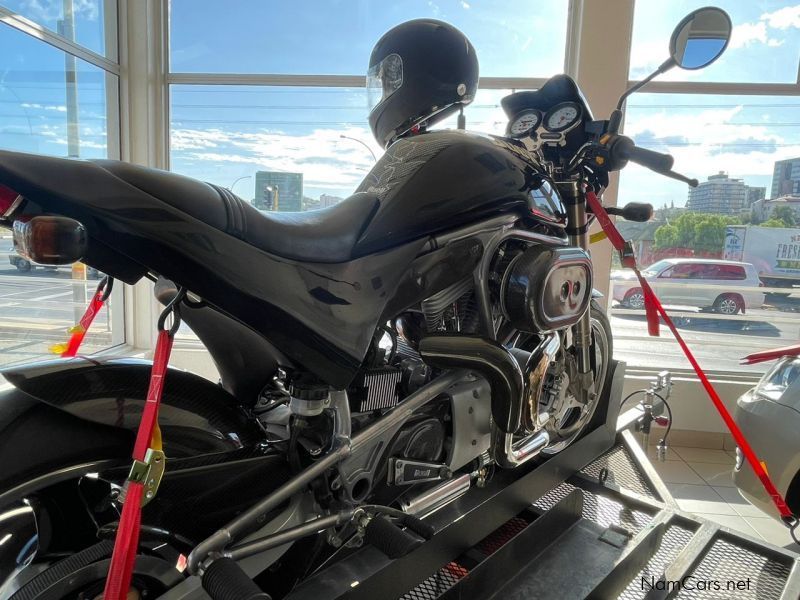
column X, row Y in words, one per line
column 725, row 286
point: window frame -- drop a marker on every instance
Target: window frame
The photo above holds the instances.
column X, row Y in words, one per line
column 114, row 76
column 301, row 81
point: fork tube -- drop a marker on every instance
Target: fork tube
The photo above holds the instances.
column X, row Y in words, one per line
column 576, row 229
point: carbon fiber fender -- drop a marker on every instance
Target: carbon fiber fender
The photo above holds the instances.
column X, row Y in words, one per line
column 57, row 414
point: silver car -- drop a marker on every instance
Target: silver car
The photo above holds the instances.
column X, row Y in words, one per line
column 724, row 286
column 769, row 417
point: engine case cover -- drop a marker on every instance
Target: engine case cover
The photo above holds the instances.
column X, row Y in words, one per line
column 545, row 288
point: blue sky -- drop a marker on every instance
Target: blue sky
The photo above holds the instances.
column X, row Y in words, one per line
column 226, row 132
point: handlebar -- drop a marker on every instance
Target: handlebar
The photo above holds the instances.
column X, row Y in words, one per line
column 624, row 149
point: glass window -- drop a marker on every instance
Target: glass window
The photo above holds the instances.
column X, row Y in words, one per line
column 92, row 20
column 729, row 272
column 39, row 113
column 240, row 137
column 764, row 46
column 512, row 38
column 742, row 150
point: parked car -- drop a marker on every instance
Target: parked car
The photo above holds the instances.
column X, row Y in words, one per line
column 24, row 265
column 769, row 417
column 705, row 283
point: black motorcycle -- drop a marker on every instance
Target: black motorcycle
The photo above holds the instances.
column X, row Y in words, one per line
column 378, row 358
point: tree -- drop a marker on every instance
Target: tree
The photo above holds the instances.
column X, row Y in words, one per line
column 666, row 236
column 695, row 231
column 784, row 213
column 773, row 222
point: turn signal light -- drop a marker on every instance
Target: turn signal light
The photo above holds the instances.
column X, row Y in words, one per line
column 50, row 240
column 8, row 199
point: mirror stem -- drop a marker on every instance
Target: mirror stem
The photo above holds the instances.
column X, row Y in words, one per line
column 663, row 68
column 615, row 121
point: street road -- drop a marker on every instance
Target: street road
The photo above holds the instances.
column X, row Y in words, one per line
column 37, row 308
column 718, row 341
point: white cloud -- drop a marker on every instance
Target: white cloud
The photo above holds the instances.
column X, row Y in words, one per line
column 324, row 158
column 745, row 34
column 783, row 18
column 715, row 142
column 49, row 11
column 52, row 107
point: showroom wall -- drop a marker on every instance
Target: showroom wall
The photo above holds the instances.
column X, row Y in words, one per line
column 242, row 97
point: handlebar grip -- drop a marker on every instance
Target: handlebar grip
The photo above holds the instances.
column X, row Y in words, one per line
column 625, row 149
column 656, row 161
column 224, row 579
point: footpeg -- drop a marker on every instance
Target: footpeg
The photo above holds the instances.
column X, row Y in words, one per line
column 390, row 539
column 224, row 579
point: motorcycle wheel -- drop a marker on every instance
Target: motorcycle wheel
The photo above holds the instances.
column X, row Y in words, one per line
column 569, row 417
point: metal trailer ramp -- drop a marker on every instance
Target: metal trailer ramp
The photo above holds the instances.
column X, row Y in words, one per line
column 594, row 521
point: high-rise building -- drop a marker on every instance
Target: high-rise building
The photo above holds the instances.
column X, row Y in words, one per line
column 754, row 194
column 276, row 190
column 721, row 195
column 786, row 178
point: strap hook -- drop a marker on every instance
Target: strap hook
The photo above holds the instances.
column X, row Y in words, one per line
column 173, row 308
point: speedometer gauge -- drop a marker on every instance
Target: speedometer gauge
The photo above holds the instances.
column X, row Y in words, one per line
column 562, row 117
column 524, row 123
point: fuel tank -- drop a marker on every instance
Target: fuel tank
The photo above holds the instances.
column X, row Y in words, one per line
column 441, row 180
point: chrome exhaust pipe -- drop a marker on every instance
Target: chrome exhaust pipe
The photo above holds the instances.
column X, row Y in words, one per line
column 435, row 498
column 509, row 454
column 517, row 380
column 505, row 451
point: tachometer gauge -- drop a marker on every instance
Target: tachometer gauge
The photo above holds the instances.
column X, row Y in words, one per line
column 562, row 117
column 524, row 123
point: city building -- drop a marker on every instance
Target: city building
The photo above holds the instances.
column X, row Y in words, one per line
column 753, row 195
column 721, row 194
column 786, row 177
column 763, row 209
column 277, row 190
column 326, row 200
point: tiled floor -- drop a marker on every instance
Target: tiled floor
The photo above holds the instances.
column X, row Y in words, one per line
column 700, row 481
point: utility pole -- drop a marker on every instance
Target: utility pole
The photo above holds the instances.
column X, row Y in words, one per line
column 66, row 28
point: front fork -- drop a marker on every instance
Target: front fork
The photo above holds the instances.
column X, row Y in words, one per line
column 574, row 199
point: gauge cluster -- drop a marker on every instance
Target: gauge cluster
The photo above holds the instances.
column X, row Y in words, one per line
column 551, row 120
column 550, row 126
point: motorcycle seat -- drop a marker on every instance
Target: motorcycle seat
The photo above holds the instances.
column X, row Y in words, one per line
column 327, row 235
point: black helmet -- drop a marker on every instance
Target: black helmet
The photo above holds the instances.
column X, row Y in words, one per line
column 418, row 70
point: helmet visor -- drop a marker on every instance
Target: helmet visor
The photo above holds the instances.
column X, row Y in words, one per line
column 384, row 79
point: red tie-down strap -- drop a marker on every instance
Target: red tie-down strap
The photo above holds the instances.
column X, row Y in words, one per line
column 657, row 309
column 148, row 436
column 767, row 355
column 78, row 332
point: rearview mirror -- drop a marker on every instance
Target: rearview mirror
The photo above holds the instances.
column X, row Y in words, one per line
column 700, row 38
